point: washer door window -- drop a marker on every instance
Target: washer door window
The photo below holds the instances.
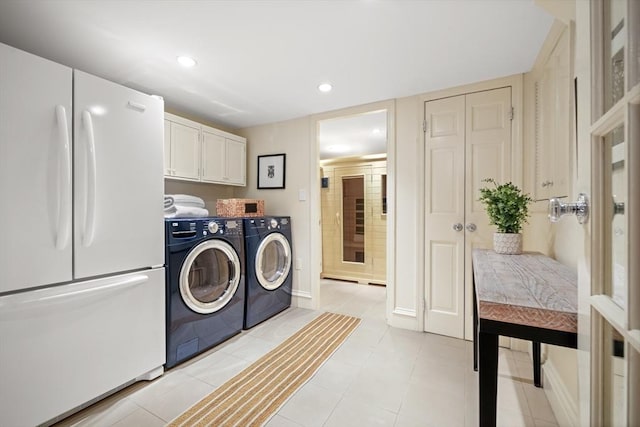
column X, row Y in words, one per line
column 273, row 261
column 209, row 276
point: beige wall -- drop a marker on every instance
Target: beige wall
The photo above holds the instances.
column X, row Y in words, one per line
column 291, row 138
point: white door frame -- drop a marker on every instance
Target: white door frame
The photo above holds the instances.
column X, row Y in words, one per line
column 314, row 194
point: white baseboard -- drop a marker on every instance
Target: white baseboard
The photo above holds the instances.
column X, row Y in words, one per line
column 565, row 408
column 301, row 299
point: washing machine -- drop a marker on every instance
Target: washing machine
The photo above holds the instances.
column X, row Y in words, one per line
column 269, row 277
column 205, row 284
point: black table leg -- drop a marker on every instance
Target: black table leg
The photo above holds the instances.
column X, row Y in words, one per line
column 537, row 380
column 488, row 374
column 475, row 331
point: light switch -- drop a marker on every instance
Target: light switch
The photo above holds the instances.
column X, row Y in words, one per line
column 302, row 195
column 298, row 264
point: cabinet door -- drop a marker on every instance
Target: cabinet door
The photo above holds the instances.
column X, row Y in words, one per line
column 236, row 160
column 213, row 157
column 118, row 181
column 167, row 148
column 35, row 174
column 553, row 125
column 185, row 151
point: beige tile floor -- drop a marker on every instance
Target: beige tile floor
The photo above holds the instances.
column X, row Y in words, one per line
column 380, row 376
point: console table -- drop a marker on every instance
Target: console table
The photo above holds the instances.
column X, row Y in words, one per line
column 528, row 296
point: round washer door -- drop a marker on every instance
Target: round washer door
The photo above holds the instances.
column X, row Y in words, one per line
column 273, row 261
column 209, row 276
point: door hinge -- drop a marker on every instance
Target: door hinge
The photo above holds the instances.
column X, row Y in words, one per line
column 424, row 126
column 511, row 113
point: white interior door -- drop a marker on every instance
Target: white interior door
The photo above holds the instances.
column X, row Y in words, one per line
column 444, row 216
column 35, row 171
column 488, row 155
column 118, row 178
column 468, row 139
column 609, row 169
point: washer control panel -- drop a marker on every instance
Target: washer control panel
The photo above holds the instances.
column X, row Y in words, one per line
column 213, row 227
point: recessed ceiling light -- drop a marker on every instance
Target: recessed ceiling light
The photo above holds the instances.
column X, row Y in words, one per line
column 325, row 87
column 186, row 61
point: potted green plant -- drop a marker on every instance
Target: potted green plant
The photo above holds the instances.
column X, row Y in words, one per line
column 508, row 208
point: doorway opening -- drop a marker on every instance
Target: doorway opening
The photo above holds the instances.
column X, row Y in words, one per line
column 353, row 171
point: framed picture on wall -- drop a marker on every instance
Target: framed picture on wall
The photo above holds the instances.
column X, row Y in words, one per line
column 271, row 171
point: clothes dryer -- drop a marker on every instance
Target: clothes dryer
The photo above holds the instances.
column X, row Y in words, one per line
column 269, row 278
column 205, row 284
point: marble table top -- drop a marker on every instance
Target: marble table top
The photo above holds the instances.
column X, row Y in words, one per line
column 528, row 289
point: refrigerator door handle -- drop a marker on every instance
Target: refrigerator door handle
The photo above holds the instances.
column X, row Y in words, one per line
column 37, row 300
column 64, row 177
column 90, row 218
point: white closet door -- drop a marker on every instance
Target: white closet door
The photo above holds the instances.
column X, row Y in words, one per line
column 488, row 155
column 468, row 139
column 35, row 171
column 444, row 216
column 118, row 211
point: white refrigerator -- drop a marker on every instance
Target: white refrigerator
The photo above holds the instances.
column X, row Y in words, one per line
column 82, row 240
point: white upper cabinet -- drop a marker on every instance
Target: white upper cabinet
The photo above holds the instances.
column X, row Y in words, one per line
column 196, row 152
column 213, row 157
column 553, row 123
column 236, row 155
column 182, row 148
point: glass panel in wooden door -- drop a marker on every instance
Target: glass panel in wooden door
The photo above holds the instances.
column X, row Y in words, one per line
column 353, row 219
column 615, row 35
column 614, row 198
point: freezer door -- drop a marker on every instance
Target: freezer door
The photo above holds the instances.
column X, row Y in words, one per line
column 118, row 181
column 65, row 345
column 35, row 171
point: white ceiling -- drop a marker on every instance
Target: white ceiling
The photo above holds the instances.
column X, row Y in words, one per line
column 353, row 136
column 261, row 61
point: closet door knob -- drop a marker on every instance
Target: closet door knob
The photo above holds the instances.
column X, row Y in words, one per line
column 471, row 227
column 457, row 227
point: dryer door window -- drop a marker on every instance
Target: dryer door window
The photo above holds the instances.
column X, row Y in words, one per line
column 209, row 276
column 273, row 261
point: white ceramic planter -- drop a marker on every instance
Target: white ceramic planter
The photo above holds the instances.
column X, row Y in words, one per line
column 507, row 243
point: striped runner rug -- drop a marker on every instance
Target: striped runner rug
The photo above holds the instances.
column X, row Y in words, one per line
column 253, row 396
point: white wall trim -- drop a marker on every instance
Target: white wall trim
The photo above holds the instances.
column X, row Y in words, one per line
column 564, row 407
column 302, row 299
column 301, row 294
